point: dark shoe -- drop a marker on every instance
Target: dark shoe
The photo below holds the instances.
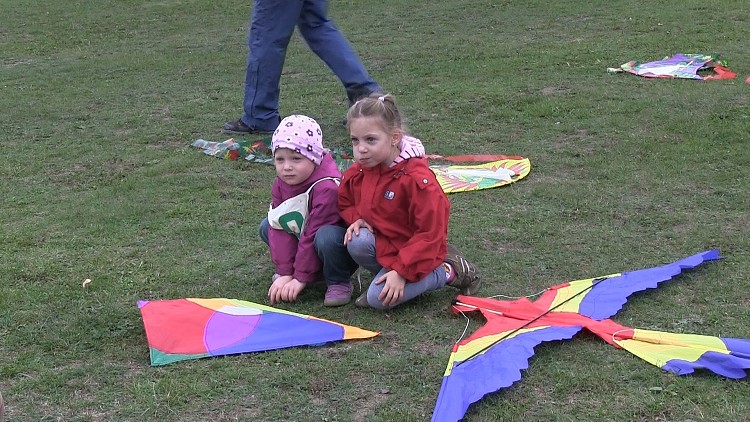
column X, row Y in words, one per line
column 237, row 126
column 467, row 279
column 361, row 301
column 338, row 294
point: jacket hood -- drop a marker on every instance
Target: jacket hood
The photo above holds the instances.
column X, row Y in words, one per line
column 410, row 147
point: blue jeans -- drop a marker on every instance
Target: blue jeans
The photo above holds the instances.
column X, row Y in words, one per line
column 362, row 250
column 338, row 266
column 272, row 25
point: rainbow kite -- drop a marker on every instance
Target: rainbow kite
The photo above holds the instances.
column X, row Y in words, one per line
column 183, row 329
column 492, row 171
column 493, row 357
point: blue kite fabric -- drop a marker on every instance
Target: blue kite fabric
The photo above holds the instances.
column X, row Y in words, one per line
column 493, row 357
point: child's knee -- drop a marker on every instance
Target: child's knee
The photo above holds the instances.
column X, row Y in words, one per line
column 376, row 304
column 359, row 246
column 328, row 236
column 263, row 230
column 329, row 242
column 373, row 294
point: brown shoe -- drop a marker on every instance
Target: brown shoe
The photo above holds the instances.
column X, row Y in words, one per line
column 467, row 279
column 361, row 301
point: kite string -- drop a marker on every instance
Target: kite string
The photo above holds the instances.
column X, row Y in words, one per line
column 466, row 328
column 518, row 297
column 468, row 320
column 617, row 342
column 359, row 278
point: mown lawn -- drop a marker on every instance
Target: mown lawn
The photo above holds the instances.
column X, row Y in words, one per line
column 102, row 99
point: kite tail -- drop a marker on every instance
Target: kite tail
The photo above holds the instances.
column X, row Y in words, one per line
column 682, row 354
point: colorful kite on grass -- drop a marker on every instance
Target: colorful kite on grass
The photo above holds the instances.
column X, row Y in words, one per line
column 183, row 329
column 465, row 178
column 488, row 171
column 684, row 66
column 492, row 357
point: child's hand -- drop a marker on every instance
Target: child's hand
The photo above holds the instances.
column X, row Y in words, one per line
column 291, row 290
column 393, row 291
column 353, row 230
column 274, row 292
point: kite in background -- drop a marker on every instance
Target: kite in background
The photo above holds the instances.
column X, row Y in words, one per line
column 492, row 357
column 492, row 171
column 183, row 329
column 684, row 66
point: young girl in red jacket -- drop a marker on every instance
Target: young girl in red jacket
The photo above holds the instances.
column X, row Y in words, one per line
column 396, row 212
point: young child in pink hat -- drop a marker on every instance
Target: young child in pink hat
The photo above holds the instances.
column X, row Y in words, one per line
column 304, row 230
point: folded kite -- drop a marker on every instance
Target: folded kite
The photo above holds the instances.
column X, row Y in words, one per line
column 493, row 357
column 183, row 329
column 493, row 170
column 684, row 66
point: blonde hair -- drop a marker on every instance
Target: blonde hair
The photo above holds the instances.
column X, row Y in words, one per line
column 381, row 106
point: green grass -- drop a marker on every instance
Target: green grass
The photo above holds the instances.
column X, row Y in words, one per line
column 101, row 100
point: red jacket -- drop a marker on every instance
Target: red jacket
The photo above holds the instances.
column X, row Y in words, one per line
column 408, row 210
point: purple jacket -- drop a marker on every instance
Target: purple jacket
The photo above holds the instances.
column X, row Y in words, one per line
column 298, row 257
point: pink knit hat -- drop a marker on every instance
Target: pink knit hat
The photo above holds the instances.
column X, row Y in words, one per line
column 301, row 134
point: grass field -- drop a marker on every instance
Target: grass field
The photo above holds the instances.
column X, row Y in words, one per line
column 101, row 100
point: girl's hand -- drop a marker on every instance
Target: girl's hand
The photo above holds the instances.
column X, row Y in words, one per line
column 274, row 292
column 291, row 290
column 393, row 291
column 353, row 230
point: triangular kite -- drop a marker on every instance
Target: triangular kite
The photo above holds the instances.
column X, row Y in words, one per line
column 184, row 329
